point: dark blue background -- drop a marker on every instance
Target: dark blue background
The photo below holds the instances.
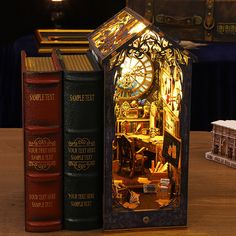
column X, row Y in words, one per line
column 213, row 78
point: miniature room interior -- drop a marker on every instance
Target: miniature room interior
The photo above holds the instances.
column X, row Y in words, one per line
column 142, row 123
column 149, row 75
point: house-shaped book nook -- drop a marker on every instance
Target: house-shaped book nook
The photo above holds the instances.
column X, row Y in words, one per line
column 147, row 78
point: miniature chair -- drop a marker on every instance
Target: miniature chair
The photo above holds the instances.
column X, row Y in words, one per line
column 138, row 160
column 124, row 154
column 131, row 161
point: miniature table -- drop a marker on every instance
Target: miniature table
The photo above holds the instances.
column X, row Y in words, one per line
column 212, row 192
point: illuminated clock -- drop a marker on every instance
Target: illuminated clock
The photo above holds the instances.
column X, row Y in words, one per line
column 134, row 77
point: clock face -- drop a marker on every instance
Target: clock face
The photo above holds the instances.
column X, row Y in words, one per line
column 134, row 78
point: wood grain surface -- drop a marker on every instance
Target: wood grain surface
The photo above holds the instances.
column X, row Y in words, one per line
column 211, row 204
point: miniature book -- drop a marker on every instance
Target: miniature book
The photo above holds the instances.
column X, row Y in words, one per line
column 223, row 143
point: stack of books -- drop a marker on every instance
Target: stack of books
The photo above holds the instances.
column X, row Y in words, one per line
column 62, row 115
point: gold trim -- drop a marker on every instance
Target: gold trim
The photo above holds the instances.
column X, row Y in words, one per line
column 64, row 50
column 226, row 28
column 67, row 40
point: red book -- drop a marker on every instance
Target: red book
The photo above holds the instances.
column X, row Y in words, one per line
column 42, row 128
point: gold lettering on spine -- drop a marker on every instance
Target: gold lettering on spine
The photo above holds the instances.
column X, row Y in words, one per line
column 82, row 97
column 82, row 154
column 42, row 97
column 42, row 200
column 42, row 153
column 81, row 199
column 81, row 195
column 81, row 204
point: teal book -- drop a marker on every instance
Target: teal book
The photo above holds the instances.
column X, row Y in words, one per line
column 83, row 141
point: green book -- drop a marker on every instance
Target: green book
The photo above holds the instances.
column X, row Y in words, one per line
column 83, row 145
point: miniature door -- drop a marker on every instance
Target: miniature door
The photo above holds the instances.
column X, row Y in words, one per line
column 146, row 127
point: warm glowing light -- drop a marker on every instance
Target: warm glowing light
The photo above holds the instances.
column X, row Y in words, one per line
column 57, row 0
column 137, row 28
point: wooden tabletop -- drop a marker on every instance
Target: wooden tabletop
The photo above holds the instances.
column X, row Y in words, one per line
column 211, row 204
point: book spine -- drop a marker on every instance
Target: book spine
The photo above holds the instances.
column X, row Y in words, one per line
column 83, row 110
column 42, row 128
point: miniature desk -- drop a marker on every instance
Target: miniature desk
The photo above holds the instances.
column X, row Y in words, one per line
column 151, row 144
column 212, row 192
column 141, row 140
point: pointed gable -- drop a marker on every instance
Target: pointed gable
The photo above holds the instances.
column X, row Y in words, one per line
column 123, row 29
column 116, row 32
